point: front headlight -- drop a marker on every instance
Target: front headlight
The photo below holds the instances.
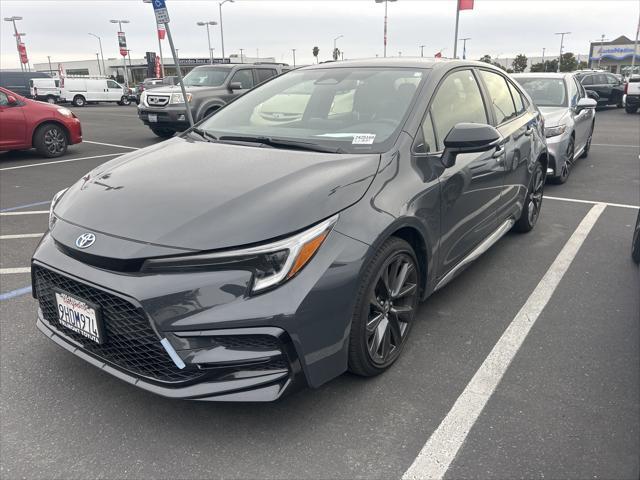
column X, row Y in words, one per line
column 65, row 112
column 54, row 201
column 554, row 131
column 272, row 264
column 178, row 98
column 143, row 99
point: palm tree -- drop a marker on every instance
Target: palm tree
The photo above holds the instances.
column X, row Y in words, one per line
column 316, row 51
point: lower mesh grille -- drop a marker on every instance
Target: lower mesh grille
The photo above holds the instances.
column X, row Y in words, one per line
column 131, row 343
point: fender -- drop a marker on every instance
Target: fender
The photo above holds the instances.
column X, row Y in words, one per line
column 213, row 103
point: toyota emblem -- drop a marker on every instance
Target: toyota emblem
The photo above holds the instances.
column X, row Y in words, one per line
column 85, row 240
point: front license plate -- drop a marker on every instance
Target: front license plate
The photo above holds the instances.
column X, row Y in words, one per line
column 79, row 316
column 153, row 117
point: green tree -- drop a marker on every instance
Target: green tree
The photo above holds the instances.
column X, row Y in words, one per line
column 486, row 59
column 569, row 63
column 519, row 63
column 537, row 67
column 336, row 53
column 582, row 65
column 316, row 51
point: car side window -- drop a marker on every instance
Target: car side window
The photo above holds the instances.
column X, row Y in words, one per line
column 501, row 100
column 4, row 101
column 425, row 139
column 112, row 84
column 517, row 98
column 244, row 77
column 588, row 80
column 265, row 74
column 457, row 100
column 611, row 80
column 581, row 91
column 573, row 94
column 600, row 79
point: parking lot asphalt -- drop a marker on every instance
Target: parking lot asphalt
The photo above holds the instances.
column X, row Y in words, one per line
column 568, row 405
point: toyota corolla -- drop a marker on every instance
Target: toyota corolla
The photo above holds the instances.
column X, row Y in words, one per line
column 244, row 259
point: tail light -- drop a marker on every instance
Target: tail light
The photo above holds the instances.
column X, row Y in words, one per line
column 626, row 87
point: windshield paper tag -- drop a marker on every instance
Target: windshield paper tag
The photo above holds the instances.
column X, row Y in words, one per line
column 363, row 139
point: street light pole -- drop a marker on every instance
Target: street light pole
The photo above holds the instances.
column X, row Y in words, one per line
column 544, row 67
column 97, row 61
column 294, row 57
column 635, row 49
column 206, row 24
column 104, row 69
column 124, row 57
column 241, row 55
column 562, row 34
column 221, row 32
column 385, row 22
column 601, row 46
column 464, row 47
column 422, row 50
column 49, row 60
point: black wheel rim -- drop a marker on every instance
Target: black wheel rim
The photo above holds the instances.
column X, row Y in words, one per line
column 54, row 141
column 535, row 197
column 566, row 168
column 392, row 305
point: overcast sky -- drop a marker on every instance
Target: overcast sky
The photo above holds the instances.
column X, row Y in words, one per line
column 497, row 27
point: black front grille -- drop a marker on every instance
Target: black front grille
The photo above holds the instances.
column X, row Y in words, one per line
column 248, row 342
column 130, row 342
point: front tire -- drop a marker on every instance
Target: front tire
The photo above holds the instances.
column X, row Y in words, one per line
column 163, row 132
column 565, row 170
column 533, row 202
column 79, row 101
column 50, row 140
column 635, row 245
column 385, row 308
column 587, row 147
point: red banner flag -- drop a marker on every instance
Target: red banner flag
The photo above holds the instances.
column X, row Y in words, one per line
column 22, row 50
column 161, row 32
column 465, row 4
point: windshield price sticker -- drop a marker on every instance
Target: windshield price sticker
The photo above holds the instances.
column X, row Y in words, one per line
column 363, row 139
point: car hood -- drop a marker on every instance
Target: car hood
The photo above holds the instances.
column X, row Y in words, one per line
column 554, row 116
column 197, row 195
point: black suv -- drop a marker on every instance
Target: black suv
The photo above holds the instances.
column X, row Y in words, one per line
column 209, row 87
column 610, row 89
column 290, row 236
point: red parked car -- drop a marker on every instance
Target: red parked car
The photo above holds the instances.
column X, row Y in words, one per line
column 31, row 124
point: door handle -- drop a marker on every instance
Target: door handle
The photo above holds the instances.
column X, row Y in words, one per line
column 529, row 130
column 498, row 152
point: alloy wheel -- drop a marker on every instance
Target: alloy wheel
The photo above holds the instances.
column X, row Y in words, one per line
column 54, row 140
column 535, row 197
column 568, row 164
column 392, row 306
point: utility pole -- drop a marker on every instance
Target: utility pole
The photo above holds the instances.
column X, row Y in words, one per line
column 385, row 22
column 544, row 67
column 241, row 55
column 49, row 59
column 464, row 47
column 294, row 57
column 562, row 34
column 422, row 50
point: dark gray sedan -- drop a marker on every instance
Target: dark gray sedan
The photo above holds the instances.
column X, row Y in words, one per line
column 253, row 255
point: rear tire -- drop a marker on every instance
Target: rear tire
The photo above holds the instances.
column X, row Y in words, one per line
column 385, row 309
column 124, row 101
column 51, row 99
column 163, row 132
column 533, row 203
column 79, row 101
column 50, row 140
column 631, row 109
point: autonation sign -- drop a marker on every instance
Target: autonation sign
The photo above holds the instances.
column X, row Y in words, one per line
column 614, row 52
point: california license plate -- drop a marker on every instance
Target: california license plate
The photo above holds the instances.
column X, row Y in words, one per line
column 153, row 117
column 79, row 316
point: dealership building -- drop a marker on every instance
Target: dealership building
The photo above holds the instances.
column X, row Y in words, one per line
column 614, row 56
column 137, row 68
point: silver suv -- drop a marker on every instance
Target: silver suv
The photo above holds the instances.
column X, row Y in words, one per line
column 208, row 87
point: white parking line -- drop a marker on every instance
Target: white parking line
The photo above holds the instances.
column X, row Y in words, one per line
column 30, row 212
column 441, row 448
column 60, row 161
column 24, row 235
column 591, row 202
column 613, row 145
column 8, row 271
column 111, row 145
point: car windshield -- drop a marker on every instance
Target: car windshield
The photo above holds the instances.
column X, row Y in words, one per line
column 347, row 109
column 206, row 77
column 545, row 92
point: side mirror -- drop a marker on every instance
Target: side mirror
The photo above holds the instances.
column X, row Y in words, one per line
column 592, row 94
column 467, row 138
column 11, row 100
column 235, row 86
column 586, row 103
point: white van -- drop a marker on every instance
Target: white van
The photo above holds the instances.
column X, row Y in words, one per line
column 46, row 89
column 79, row 91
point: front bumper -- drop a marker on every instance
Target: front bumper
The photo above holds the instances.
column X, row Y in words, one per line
column 75, row 131
column 174, row 117
column 557, row 152
column 235, row 347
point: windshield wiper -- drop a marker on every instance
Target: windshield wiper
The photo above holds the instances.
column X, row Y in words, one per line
column 204, row 134
column 281, row 143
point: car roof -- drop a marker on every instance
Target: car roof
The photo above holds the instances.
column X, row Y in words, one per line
column 543, row 75
column 403, row 62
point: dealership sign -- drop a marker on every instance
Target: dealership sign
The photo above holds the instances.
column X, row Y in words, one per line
column 613, row 52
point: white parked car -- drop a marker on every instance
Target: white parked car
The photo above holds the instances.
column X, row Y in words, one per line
column 45, row 89
column 79, row 91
